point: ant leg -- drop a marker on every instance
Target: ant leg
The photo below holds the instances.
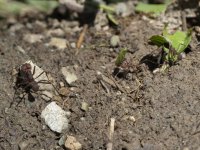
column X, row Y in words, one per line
column 33, row 70
column 44, row 82
column 52, row 84
column 39, row 75
column 21, row 99
column 18, row 102
column 48, row 82
column 46, row 97
column 63, row 103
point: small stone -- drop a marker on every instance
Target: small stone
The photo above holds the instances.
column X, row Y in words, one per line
column 98, row 27
column 23, row 145
column 41, row 24
column 20, row 49
column 114, row 41
column 82, row 118
column 58, row 43
column 29, row 26
column 64, row 91
column 14, row 72
column 55, row 23
column 84, row 106
column 76, row 29
column 105, row 28
column 73, row 45
column 100, row 20
column 62, row 140
column 55, row 117
column 56, row 32
column 33, row 38
column 183, row 55
column 69, row 75
column 68, row 113
column 11, row 20
column 118, row 93
column 132, row 118
column 16, row 27
column 121, row 9
column 197, row 29
column 44, row 127
column 6, row 110
column 62, row 84
column 72, row 144
column 156, row 70
column 21, row 95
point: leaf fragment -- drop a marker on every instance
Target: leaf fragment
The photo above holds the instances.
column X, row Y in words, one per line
column 121, row 57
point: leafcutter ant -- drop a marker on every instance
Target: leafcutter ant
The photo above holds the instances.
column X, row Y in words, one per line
column 27, row 82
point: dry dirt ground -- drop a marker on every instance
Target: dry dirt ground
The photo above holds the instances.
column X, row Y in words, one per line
column 166, row 107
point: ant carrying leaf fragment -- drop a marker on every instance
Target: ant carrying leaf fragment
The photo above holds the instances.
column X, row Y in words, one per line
column 121, row 57
column 122, row 65
column 172, row 45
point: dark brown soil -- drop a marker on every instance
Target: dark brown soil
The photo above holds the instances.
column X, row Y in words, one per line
column 165, row 106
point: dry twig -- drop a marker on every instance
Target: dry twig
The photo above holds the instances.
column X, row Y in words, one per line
column 110, row 137
column 184, row 22
column 81, row 37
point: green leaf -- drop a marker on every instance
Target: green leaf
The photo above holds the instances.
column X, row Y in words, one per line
column 151, row 8
column 112, row 18
column 155, row 9
column 179, row 40
column 173, row 44
column 158, row 40
column 121, row 57
column 15, row 7
column 107, row 8
column 11, row 7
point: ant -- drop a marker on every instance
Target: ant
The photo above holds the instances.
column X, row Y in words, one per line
column 124, row 68
column 25, row 78
column 27, row 82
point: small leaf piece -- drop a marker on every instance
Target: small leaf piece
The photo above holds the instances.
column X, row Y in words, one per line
column 121, row 57
column 158, row 40
column 173, row 44
column 112, row 19
column 179, row 40
column 156, row 9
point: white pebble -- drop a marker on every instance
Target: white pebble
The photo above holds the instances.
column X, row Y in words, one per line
column 55, row 117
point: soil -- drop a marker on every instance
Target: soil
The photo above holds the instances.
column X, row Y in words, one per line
column 164, row 107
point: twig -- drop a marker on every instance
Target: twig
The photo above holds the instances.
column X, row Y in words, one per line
column 63, row 104
column 184, row 23
column 110, row 137
column 81, row 37
column 105, row 87
column 119, row 87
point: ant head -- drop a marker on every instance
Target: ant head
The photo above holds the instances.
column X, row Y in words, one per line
column 26, row 67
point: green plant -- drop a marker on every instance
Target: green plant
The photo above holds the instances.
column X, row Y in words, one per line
column 172, row 44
